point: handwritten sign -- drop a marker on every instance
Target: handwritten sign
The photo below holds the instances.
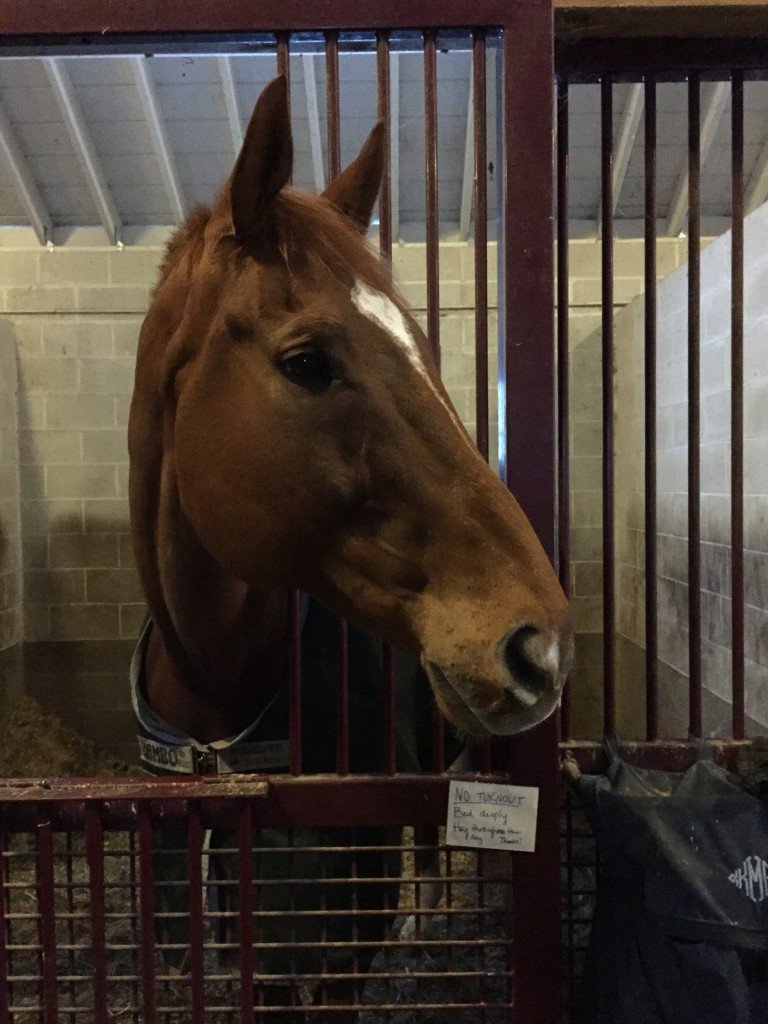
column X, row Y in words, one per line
column 492, row 817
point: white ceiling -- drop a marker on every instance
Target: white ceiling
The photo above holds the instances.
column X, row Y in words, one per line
column 193, row 115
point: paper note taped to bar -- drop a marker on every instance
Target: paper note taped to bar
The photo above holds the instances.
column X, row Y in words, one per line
column 492, row 817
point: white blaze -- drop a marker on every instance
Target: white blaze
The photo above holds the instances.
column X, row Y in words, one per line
column 386, row 314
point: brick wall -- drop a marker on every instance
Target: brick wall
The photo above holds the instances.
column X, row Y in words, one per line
column 672, row 457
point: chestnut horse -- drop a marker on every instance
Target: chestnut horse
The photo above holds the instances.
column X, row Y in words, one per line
column 289, row 431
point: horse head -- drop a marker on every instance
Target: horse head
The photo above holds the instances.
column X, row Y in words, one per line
column 296, row 422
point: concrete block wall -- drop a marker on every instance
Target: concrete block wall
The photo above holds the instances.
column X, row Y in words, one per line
column 672, row 456
column 74, row 314
column 586, row 439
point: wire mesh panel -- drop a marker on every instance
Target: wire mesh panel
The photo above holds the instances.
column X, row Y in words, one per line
column 157, row 910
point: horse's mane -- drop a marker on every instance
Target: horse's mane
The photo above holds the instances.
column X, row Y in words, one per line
column 310, row 231
column 189, row 232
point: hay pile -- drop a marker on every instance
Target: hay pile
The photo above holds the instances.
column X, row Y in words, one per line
column 36, row 744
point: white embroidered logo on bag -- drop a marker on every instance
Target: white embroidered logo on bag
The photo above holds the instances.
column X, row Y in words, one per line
column 752, row 878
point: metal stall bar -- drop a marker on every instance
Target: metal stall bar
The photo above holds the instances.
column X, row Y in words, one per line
column 479, row 102
column 651, row 556
column 609, row 539
column 196, row 921
column 563, row 364
column 332, row 103
column 46, row 907
column 433, row 276
column 384, row 112
column 480, row 155
column 432, row 204
column 737, row 403
column 527, row 372
column 384, row 101
column 694, row 404
column 6, row 993
column 245, row 899
column 283, row 60
column 94, row 853
column 147, row 914
column 333, row 119
column 294, row 683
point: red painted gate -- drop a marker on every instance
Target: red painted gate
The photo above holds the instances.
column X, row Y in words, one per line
column 78, row 936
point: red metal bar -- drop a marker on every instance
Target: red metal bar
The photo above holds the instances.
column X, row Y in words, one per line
column 334, row 167
column 438, row 741
column 245, row 907
column 432, row 200
column 384, row 112
column 94, row 853
column 342, row 701
column 390, row 712
column 5, row 988
column 134, row 912
column 294, row 682
column 47, row 923
column 433, row 276
column 332, row 102
column 609, row 540
column 283, row 56
column 147, row 916
column 70, row 877
column 563, row 369
column 480, row 144
column 196, row 931
column 737, row 403
column 481, row 909
column 651, row 571
column 694, row 404
column 528, row 418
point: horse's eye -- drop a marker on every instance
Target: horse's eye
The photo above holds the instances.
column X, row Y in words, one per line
column 308, row 367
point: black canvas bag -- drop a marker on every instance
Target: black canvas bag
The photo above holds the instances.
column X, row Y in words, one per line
column 681, row 923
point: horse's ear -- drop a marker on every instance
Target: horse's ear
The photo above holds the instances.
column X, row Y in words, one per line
column 355, row 190
column 263, row 167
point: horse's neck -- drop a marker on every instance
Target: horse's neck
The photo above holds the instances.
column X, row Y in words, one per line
column 232, row 639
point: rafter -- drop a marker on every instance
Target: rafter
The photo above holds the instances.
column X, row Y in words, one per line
column 163, row 151
column 468, row 174
column 757, row 191
column 622, row 150
column 33, row 202
column 83, row 145
column 229, row 88
column 313, row 114
column 713, row 112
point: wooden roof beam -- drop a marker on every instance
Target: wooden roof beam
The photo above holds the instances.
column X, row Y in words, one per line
column 33, row 202
column 163, row 151
column 82, row 143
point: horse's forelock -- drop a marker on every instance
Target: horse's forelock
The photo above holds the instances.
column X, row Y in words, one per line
column 311, row 233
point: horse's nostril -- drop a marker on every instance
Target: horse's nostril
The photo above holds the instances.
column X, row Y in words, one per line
column 531, row 657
